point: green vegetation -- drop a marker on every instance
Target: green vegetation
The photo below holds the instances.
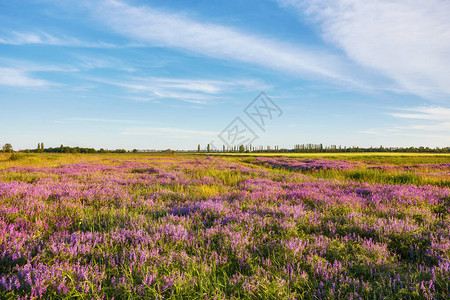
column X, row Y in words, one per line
column 189, row 226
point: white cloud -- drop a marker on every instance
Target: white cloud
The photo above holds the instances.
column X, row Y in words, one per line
column 407, row 41
column 43, row 38
column 165, row 131
column 427, row 124
column 370, row 131
column 18, row 72
column 158, row 28
column 444, row 126
column 198, row 91
column 29, row 66
column 23, row 38
column 98, row 120
column 101, row 62
column 426, row 120
column 436, row 113
column 20, row 78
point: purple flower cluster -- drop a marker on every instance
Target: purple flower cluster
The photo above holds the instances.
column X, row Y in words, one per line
column 181, row 227
column 306, row 164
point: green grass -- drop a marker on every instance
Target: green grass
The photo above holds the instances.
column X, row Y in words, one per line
column 42, row 160
column 381, row 157
column 381, row 177
column 56, row 159
column 230, row 177
column 266, row 230
column 372, row 176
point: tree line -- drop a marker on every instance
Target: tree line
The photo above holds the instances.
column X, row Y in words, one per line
column 298, row 148
column 64, row 149
column 320, row 148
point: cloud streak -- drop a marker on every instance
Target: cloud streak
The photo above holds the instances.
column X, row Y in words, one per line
column 159, row 28
column 200, row 91
column 178, row 132
column 98, row 120
column 43, row 38
column 406, row 41
column 425, row 119
column 435, row 113
column 20, row 78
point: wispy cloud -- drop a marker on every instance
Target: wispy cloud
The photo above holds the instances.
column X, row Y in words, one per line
column 443, row 126
column 43, row 38
column 160, row 28
column 407, row 41
column 436, row 113
column 425, row 122
column 168, row 131
column 25, row 73
column 99, row 120
column 198, row 91
column 86, row 62
column 428, row 118
column 31, row 66
column 20, row 78
column 370, row 131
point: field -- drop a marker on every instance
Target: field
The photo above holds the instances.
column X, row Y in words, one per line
column 187, row 226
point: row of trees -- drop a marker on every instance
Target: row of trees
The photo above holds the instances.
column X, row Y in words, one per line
column 242, row 149
column 67, row 149
column 64, row 149
column 334, row 148
column 299, row 148
column 320, row 148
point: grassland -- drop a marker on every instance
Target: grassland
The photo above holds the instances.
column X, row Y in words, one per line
column 381, row 157
column 192, row 226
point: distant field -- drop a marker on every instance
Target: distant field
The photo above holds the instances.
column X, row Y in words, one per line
column 195, row 226
column 54, row 159
column 387, row 157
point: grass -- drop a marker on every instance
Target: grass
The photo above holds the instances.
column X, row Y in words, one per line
column 56, row 159
column 381, row 157
column 382, row 177
column 42, row 160
column 230, row 177
column 186, row 226
column 372, row 176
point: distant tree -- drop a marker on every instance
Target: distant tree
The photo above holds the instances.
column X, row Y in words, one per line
column 241, row 148
column 40, row 148
column 135, row 150
column 208, row 148
column 7, row 148
column 198, row 148
column 223, row 148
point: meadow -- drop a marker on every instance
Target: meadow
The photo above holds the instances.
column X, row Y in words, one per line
column 194, row 226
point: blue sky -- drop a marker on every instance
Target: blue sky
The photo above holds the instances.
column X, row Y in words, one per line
column 173, row 74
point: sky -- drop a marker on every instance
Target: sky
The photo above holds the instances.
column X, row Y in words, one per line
column 174, row 74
